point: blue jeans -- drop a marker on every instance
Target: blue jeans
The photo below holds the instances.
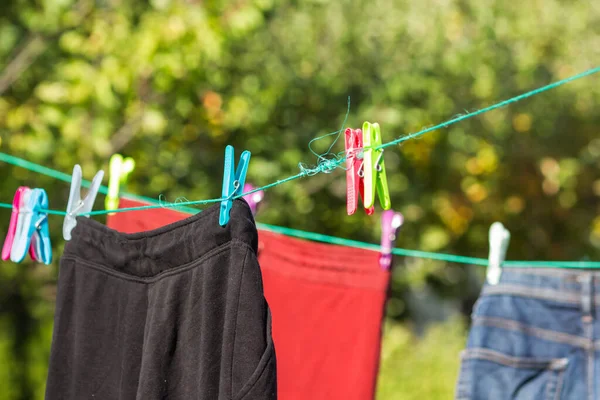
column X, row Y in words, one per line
column 534, row 336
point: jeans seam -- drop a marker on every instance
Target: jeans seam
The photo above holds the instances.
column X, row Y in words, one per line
column 525, row 291
column 590, row 377
column 463, row 379
column 549, row 386
column 479, row 353
column 531, row 292
column 554, row 385
column 541, row 333
column 559, row 383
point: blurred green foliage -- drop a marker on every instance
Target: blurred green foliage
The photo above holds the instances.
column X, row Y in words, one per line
column 171, row 82
column 420, row 368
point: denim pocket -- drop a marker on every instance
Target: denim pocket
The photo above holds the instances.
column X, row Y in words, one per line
column 489, row 375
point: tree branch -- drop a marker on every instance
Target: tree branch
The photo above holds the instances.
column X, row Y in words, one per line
column 34, row 45
column 126, row 133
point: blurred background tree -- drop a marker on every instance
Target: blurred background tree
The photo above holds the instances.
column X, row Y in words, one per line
column 171, row 82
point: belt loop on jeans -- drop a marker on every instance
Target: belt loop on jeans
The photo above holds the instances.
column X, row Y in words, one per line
column 587, row 296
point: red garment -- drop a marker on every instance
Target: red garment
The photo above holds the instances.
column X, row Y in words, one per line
column 327, row 303
column 143, row 220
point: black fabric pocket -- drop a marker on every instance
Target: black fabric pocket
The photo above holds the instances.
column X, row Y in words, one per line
column 262, row 384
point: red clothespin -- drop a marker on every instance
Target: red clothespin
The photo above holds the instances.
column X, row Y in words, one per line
column 253, row 198
column 355, row 186
column 391, row 221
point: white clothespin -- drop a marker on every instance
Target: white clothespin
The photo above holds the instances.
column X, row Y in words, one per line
column 76, row 204
column 499, row 238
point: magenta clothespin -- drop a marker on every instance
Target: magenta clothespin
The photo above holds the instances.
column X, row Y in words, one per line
column 253, row 198
column 18, row 200
column 391, row 221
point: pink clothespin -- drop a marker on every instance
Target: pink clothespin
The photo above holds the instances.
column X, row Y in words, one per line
column 18, row 201
column 254, row 198
column 355, row 186
column 391, row 221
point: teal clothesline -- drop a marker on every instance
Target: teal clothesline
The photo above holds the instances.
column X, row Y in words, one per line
column 304, row 234
column 330, row 165
column 325, row 164
column 422, row 254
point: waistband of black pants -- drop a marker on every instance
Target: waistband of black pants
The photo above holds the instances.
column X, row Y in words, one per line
column 149, row 253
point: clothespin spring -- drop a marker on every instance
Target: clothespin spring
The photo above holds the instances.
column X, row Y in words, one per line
column 73, row 212
column 361, row 169
column 39, row 222
column 378, row 162
column 236, row 186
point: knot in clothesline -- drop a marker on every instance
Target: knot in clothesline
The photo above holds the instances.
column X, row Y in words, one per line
column 325, row 165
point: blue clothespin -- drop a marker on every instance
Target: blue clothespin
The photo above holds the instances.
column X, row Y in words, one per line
column 32, row 229
column 233, row 182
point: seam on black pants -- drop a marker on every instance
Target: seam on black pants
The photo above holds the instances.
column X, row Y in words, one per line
column 173, row 271
column 237, row 309
column 263, row 363
column 192, row 219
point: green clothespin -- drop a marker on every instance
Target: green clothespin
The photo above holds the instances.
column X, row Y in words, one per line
column 119, row 170
column 374, row 168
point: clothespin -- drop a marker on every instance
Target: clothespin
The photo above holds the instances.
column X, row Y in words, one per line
column 14, row 217
column 253, row 198
column 499, row 238
column 374, row 167
column 41, row 248
column 355, row 186
column 33, row 252
column 76, row 204
column 119, row 169
column 32, row 228
column 233, row 182
column 391, row 221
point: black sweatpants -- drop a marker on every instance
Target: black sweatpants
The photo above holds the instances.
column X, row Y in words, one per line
column 174, row 313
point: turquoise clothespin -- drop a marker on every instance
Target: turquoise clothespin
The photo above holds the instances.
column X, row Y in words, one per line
column 32, row 229
column 233, row 182
column 374, row 168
